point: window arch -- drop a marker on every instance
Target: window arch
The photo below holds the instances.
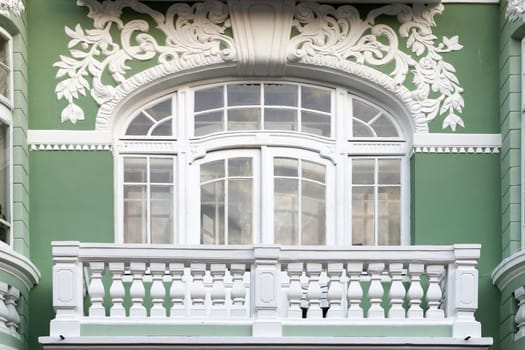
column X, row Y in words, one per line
column 273, row 162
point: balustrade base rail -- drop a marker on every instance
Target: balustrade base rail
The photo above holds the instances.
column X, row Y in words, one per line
column 265, row 291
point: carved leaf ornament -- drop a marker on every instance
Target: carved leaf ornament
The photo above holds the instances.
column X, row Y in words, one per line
column 196, row 35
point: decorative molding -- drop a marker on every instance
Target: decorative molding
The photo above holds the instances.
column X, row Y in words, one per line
column 509, row 269
column 18, row 266
column 457, row 143
column 515, row 10
column 194, row 36
column 338, row 38
column 68, row 140
column 321, row 36
column 12, row 7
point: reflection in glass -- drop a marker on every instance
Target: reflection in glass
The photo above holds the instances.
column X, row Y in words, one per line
column 240, row 211
column 212, row 170
column 384, row 127
column 280, row 95
column 163, row 129
column 240, row 167
column 363, row 216
column 313, row 171
column 286, row 167
column 5, row 70
column 315, row 123
column 286, row 211
column 364, row 111
column 244, row 119
column 244, row 94
column 161, row 170
column 212, row 213
column 135, row 214
column 312, row 213
column 315, row 98
column 206, row 123
column 280, row 119
column 161, row 214
column 139, row 126
column 360, row 129
column 389, row 213
column 363, row 171
column 161, row 110
column 210, row 98
column 135, row 169
column 389, row 171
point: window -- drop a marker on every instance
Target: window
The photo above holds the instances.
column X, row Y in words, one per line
column 262, row 162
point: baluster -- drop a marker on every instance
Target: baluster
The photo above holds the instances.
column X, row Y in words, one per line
column 375, row 291
column 397, row 292
column 434, row 293
column 13, row 319
column 157, row 292
column 355, row 291
column 4, row 312
column 295, row 291
column 519, row 318
column 137, row 291
column 313, row 271
column 415, row 292
column 177, row 291
column 335, row 290
column 218, row 292
column 96, row 290
column 116, row 291
column 198, row 291
column 238, row 291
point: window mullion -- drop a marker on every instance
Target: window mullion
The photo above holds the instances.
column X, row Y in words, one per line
column 376, row 203
column 226, row 200
column 148, row 200
column 299, row 202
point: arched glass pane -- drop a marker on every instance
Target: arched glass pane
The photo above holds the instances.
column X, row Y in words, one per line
column 160, row 110
column 163, row 129
column 364, row 111
column 384, row 127
column 361, row 130
column 139, row 126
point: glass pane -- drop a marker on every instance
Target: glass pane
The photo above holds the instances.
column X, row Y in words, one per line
column 212, row 170
column 161, row 170
column 135, row 169
column 244, row 94
column 313, row 171
column 364, row 111
column 389, row 212
column 363, row 171
column 363, row 216
column 4, row 172
column 4, row 80
column 163, row 129
column 286, row 167
column 315, row 98
column 240, row 167
column 286, row 211
column 280, row 119
column 384, row 127
column 280, row 95
column 135, row 214
column 212, row 213
column 161, row 110
column 240, row 211
column 3, row 50
column 207, row 123
column 139, row 126
column 161, row 214
column 244, row 119
column 313, row 212
column 361, row 130
column 315, row 123
column 389, row 171
column 209, row 98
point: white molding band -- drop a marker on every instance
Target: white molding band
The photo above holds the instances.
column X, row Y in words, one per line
column 457, row 143
column 509, row 269
column 91, row 140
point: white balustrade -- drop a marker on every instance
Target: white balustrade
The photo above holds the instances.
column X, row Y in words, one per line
column 265, row 286
column 519, row 318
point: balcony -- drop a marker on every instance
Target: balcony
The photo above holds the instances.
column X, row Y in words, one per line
column 121, row 294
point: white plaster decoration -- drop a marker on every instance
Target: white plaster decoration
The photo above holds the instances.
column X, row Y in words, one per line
column 268, row 37
column 193, row 36
column 337, row 37
column 515, row 10
column 509, row 269
column 457, row 143
column 519, row 318
column 13, row 7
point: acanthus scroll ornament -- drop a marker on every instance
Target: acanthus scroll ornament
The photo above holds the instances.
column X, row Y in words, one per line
column 194, row 35
column 515, row 10
column 337, row 37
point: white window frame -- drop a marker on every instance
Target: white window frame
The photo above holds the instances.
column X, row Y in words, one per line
column 335, row 152
column 8, row 99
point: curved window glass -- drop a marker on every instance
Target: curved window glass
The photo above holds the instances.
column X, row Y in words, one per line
column 262, row 162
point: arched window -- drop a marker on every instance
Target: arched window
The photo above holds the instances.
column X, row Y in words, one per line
column 261, row 162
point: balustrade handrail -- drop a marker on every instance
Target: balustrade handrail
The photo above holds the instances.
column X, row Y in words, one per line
column 266, row 285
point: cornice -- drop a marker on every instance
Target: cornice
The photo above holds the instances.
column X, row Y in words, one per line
column 509, row 269
column 18, row 266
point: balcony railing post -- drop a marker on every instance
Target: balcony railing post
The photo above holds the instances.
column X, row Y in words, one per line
column 265, row 292
column 462, row 291
column 67, row 289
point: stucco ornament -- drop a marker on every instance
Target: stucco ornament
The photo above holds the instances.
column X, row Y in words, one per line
column 14, row 7
column 193, row 36
column 337, row 37
column 516, row 10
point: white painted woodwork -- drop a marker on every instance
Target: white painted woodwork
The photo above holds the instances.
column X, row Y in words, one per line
column 267, row 286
